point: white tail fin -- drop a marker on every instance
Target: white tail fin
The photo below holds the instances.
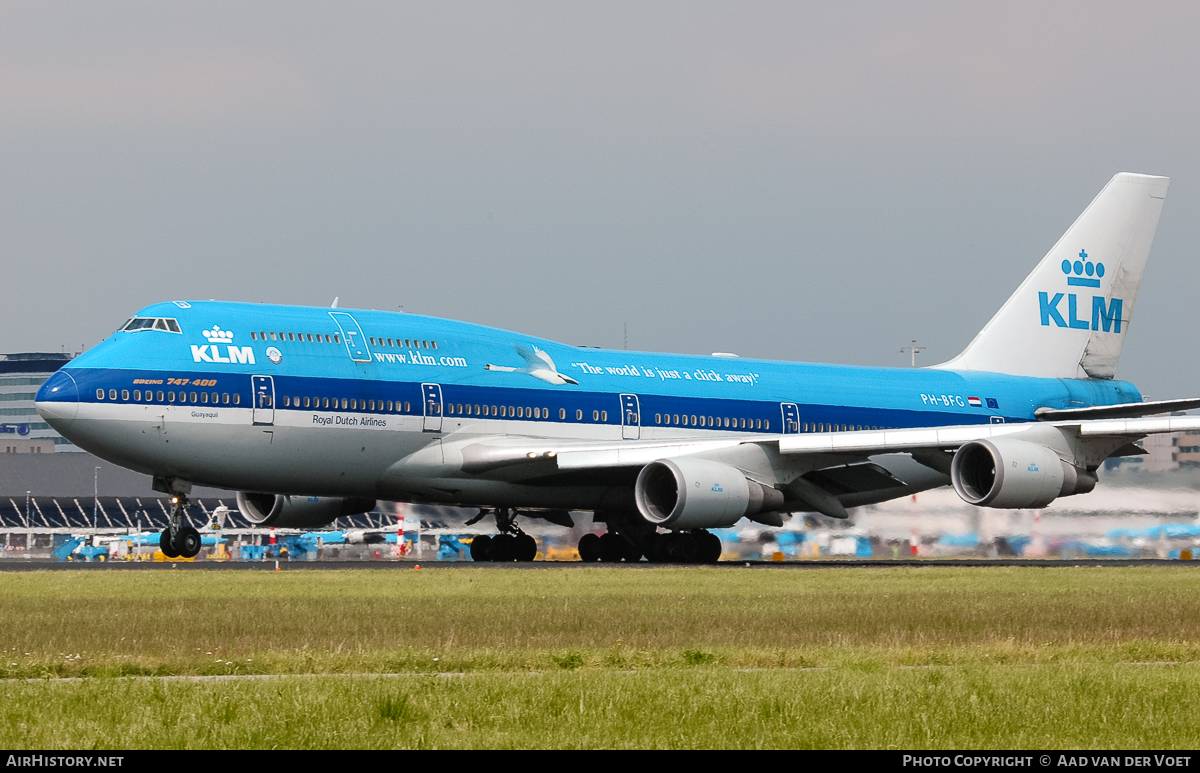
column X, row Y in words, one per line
column 1068, row 319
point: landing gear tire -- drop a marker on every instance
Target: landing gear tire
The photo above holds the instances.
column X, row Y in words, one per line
column 709, row 546
column 681, row 548
column 187, row 542
column 632, row 553
column 504, row 548
column 589, row 548
column 164, row 544
column 612, row 548
column 654, row 548
column 526, row 548
column 481, row 548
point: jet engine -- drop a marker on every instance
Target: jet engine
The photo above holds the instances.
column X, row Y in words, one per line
column 688, row 493
column 1008, row 473
column 290, row 512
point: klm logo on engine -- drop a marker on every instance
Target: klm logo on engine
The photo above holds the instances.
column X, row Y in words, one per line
column 1106, row 315
column 211, row 352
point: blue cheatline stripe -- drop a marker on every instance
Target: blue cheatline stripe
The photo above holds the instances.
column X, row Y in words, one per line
column 596, row 407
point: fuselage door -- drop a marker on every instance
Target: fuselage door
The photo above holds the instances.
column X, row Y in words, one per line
column 264, row 399
column 791, row 418
column 432, row 394
column 631, row 417
column 352, row 336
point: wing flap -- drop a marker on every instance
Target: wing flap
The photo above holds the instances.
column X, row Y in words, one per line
column 629, row 455
column 1144, row 426
column 875, row 442
column 854, row 478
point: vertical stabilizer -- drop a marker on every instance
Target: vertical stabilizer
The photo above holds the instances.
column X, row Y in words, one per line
column 1068, row 319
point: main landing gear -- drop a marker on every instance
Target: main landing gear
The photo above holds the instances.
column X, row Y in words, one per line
column 629, row 537
column 609, row 547
column 511, row 544
column 179, row 540
column 696, row 546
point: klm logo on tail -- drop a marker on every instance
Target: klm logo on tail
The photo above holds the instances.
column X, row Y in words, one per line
column 1081, row 273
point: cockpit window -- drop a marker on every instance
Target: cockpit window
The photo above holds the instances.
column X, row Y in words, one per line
column 165, row 324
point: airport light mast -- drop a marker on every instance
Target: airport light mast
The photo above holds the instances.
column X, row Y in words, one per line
column 913, row 350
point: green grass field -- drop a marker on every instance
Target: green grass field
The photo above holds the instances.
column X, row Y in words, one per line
column 934, row 657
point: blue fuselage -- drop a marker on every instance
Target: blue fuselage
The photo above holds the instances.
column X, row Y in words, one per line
column 274, row 398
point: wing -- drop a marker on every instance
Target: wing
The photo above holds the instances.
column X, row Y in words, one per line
column 823, row 472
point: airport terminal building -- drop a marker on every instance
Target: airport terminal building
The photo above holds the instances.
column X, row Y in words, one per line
column 22, row 431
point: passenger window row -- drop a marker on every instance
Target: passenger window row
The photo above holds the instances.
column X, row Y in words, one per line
column 509, row 411
column 683, row 420
column 150, row 396
column 310, row 337
column 347, row 404
column 822, row 427
column 460, row 409
column 407, row 343
column 516, row 412
column 725, row 422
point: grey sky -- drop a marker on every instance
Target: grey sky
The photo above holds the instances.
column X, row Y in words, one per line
column 815, row 181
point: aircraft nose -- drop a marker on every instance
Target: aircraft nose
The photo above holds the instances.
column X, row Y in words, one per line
column 57, row 400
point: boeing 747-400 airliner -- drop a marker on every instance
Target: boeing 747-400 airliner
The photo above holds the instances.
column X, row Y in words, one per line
column 314, row 413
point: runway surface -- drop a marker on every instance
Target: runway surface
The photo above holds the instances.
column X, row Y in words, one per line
column 21, row 565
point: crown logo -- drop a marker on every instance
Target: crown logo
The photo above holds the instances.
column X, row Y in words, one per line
column 1080, row 273
column 218, row 336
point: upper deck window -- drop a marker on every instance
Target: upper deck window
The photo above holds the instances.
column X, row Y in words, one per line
column 164, row 324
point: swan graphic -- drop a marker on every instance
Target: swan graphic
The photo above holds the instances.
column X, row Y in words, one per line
column 537, row 364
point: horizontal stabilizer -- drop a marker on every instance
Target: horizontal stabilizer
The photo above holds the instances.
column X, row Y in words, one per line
column 1123, row 411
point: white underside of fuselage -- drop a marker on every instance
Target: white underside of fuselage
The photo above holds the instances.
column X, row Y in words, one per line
column 334, row 453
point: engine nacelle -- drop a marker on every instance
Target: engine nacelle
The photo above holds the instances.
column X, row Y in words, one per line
column 1008, row 473
column 290, row 512
column 688, row 493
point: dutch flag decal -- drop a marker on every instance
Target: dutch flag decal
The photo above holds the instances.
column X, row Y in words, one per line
column 975, row 401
